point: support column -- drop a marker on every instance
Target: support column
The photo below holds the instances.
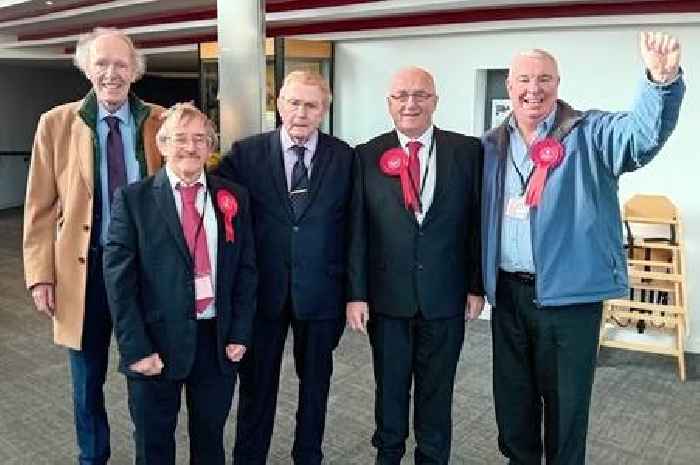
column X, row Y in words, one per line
column 241, row 32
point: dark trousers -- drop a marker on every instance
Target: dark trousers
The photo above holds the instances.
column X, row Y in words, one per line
column 314, row 342
column 154, row 404
column 89, row 367
column 424, row 352
column 543, row 364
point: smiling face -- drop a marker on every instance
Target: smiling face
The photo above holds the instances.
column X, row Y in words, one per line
column 187, row 147
column 412, row 101
column 111, row 70
column 533, row 85
column 302, row 107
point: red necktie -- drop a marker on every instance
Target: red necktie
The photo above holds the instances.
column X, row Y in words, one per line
column 414, row 169
column 193, row 228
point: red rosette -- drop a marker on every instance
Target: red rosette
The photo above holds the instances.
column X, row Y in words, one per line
column 545, row 153
column 228, row 205
column 394, row 162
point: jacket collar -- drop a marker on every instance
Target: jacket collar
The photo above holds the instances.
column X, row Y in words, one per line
column 565, row 120
column 89, row 109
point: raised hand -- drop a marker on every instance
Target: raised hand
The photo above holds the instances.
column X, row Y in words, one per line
column 661, row 54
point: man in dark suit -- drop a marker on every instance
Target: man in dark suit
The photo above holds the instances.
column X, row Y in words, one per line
column 414, row 266
column 179, row 268
column 300, row 184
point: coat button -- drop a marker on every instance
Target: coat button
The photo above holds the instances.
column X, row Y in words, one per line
column 295, row 228
column 419, row 267
column 81, row 260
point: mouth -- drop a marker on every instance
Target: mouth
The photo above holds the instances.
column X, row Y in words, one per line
column 533, row 100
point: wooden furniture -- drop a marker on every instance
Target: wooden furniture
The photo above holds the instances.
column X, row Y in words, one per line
column 657, row 278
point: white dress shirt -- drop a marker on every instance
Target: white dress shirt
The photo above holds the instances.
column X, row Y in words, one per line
column 211, row 228
column 428, row 167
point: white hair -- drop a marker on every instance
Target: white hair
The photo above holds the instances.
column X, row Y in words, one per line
column 83, row 48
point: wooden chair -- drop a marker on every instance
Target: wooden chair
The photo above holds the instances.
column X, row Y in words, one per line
column 656, row 268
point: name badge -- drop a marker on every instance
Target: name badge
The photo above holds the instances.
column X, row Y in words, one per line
column 517, row 208
column 203, row 288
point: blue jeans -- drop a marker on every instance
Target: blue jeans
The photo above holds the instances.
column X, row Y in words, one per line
column 89, row 368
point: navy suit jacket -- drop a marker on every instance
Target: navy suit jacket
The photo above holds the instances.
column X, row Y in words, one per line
column 149, row 277
column 306, row 257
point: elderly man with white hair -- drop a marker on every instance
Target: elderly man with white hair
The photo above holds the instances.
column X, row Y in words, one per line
column 83, row 151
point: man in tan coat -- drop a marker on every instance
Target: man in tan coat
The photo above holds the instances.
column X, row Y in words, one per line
column 82, row 152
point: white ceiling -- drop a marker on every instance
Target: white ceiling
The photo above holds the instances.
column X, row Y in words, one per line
column 168, row 30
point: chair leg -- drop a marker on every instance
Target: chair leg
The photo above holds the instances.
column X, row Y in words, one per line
column 680, row 331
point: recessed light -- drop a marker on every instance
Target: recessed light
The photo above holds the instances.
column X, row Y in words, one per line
column 49, row 2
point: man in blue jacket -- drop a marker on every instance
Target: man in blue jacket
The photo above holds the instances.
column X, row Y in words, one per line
column 552, row 248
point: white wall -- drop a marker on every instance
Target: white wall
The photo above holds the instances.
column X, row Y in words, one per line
column 600, row 68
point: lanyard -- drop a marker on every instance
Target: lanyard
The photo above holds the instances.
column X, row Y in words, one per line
column 523, row 181
column 414, row 184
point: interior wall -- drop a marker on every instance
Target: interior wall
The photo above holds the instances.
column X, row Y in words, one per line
column 600, row 68
column 27, row 92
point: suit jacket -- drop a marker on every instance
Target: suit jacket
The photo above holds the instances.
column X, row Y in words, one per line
column 400, row 267
column 58, row 213
column 149, row 277
column 309, row 254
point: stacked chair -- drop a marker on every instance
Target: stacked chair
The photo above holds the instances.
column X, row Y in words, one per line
column 657, row 295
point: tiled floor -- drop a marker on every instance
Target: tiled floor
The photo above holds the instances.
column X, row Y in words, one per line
column 641, row 414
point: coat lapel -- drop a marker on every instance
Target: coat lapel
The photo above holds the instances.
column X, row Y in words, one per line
column 444, row 158
column 221, row 261
column 166, row 206
column 279, row 178
column 392, row 141
column 86, row 154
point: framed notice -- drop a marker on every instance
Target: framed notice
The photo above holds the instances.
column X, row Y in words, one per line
column 500, row 109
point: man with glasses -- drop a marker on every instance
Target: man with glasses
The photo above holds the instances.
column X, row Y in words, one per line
column 300, row 183
column 83, row 151
column 552, row 245
column 414, row 266
column 179, row 269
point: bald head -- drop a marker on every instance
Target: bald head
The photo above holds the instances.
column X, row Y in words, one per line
column 412, row 100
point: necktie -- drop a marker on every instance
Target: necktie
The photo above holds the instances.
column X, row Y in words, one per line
column 116, row 167
column 299, row 190
column 195, row 236
column 414, row 169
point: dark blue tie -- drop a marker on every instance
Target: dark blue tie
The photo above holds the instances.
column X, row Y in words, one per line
column 299, row 191
column 116, row 167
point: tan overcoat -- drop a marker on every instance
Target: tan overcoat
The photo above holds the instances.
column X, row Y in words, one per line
column 58, row 206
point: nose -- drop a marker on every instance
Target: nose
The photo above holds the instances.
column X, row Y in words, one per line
column 533, row 86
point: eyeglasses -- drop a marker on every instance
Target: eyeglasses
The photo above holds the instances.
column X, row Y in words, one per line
column 418, row 97
column 198, row 140
column 296, row 105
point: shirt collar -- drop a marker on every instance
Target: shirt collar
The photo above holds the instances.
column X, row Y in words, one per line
column 287, row 141
column 122, row 113
column 543, row 128
column 425, row 139
column 174, row 180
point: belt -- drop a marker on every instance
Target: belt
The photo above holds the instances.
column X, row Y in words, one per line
column 522, row 277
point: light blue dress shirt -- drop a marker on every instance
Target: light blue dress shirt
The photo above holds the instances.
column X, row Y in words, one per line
column 516, row 242
column 127, row 127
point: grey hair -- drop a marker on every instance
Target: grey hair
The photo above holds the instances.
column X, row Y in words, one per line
column 309, row 78
column 81, row 59
column 536, row 53
column 185, row 111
